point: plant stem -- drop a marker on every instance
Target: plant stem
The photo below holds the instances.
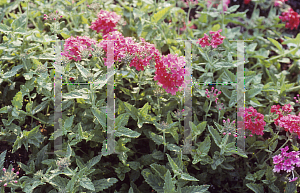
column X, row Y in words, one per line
column 284, row 53
column 279, row 148
column 207, row 110
column 188, row 16
column 164, row 141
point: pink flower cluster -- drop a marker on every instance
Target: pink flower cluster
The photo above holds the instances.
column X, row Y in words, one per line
column 213, row 95
column 279, row 2
column 289, row 122
column 216, row 39
column 9, row 177
column 141, row 53
column 74, row 46
column 292, row 19
column 170, row 73
column 195, row 2
column 106, row 22
column 257, row 126
column 285, row 161
column 217, row 2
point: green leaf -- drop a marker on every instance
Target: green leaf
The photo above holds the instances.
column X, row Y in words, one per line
column 17, row 101
column 195, row 189
column 205, row 107
column 153, row 180
column 130, row 109
column 82, row 93
column 19, row 23
column 159, row 169
column 40, row 107
column 253, row 92
column 230, row 75
column 100, row 116
column 124, row 131
column 174, row 166
column 12, row 72
column 103, row 184
column 188, row 177
column 274, row 188
column 169, row 185
column 233, row 8
column 161, row 15
column 257, row 188
column 139, row 28
column 215, row 135
column 204, row 146
column 84, row 72
column 64, row 35
column 93, row 161
column 291, row 187
column 275, row 43
column 80, row 2
column 2, row 158
column 217, row 160
column 158, row 139
column 87, row 183
column 4, row 28
column 216, row 27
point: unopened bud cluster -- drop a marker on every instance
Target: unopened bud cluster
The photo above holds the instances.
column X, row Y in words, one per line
column 9, row 177
column 213, row 95
column 52, row 16
column 179, row 114
column 63, row 163
column 297, row 98
column 220, row 106
column 228, row 127
column 41, row 69
column 94, row 6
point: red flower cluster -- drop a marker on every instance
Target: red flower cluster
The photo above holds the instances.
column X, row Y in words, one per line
column 257, row 126
column 292, row 19
column 106, row 22
column 74, row 46
column 217, row 39
column 247, row 2
column 289, row 122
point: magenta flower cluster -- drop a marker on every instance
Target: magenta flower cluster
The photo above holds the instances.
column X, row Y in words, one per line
column 286, row 161
column 213, row 94
column 216, row 39
column 106, row 22
column 289, row 122
column 292, row 18
column 74, row 46
column 254, row 121
column 9, row 176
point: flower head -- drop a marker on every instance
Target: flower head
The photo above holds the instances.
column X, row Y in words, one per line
column 106, row 22
column 257, row 126
column 9, row 176
column 216, row 39
column 292, row 19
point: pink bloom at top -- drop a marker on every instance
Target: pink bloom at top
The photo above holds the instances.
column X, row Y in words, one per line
column 292, row 19
column 170, row 73
column 290, row 123
column 106, row 22
column 74, row 46
column 217, row 39
column 258, row 126
column 278, row 167
column 279, row 2
column 287, row 108
column 191, row 1
column 225, row 3
column 204, row 41
column 277, row 159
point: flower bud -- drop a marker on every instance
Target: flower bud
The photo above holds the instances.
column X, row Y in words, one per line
column 0, row 181
column 5, row 185
column 4, row 169
column 12, row 169
column 16, row 181
column 17, row 173
column 224, row 133
column 45, row 15
column 56, row 11
column 54, row 18
column 229, row 133
column 61, row 16
column 219, row 92
column 245, row 137
column 212, row 88
column 207, row 96
column 215, row 94
column 250, row 135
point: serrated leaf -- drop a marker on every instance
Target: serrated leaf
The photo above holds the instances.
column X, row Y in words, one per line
column 188, row 177
column 161, row 15
column 159, row 169
column 93, row 161
column 103, row 184
column 82, row 93
column 87, row 183
column 12, row 72
column 4, row 28
column 153, row 180
column 40, row 107
column 204, row 146
column 17, row 101
column 121, row 120
column 195, row 189
column 215, row 135
column 131, row 110
column 100, row 116
column 124, row 131
column 169, row 185
column 84, row 72
column 158, row 139
column 174, row 166
column 253, row 92
column 2, row 158
column 257, row 188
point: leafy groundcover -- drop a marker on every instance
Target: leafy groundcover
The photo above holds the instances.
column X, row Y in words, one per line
column 155, row 53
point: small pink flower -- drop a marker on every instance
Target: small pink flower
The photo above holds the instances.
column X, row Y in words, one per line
column 4, row 169
column 5, row 185
column 16, row 181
